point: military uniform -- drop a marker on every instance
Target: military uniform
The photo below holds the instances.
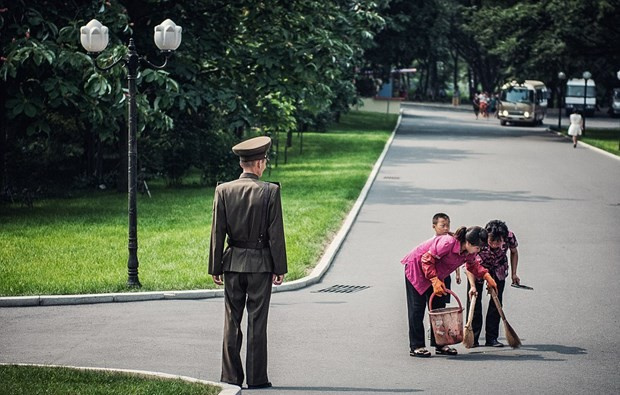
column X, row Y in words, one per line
column 247, row 216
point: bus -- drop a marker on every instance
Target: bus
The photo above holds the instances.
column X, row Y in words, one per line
column 522, row 102
column 574, row 98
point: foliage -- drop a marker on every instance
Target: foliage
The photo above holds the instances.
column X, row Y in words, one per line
column 501, row 39
column 238, row 61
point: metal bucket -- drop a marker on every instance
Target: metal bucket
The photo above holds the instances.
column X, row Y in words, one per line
column 447, row 322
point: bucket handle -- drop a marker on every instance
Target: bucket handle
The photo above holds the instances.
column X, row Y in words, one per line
column 430, row 301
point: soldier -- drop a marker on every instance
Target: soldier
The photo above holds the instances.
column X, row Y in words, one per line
column 249, row 212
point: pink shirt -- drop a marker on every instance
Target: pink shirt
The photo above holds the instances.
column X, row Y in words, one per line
column 446, row 251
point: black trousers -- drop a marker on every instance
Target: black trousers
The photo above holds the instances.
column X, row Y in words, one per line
column 491, row 327
column 241, row 290
column 416, row 308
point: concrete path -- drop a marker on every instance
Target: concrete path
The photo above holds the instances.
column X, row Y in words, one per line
column 562, row 203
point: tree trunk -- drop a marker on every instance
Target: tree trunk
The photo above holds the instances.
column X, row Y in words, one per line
column 3, row 137
column 455, row 76
column 89, row 153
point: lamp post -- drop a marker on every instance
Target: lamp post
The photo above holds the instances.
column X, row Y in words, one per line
column 561, row 78
column 94, row 39
column 586, row 76
column 618, row 75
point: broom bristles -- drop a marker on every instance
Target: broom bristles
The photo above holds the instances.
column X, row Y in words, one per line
column 468, row 337
column 511, row 336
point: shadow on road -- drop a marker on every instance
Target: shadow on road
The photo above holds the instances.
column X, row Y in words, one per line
column 401, row 195
column 356, row 390
column 558, row 348
column 496, row 355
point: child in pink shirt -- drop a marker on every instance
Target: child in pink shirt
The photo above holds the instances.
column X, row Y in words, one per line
column 429, row 262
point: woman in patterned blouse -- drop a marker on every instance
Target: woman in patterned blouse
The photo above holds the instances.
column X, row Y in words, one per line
column 493, row 258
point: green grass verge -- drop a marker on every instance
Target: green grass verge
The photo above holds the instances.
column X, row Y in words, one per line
column 33, row 380
column 605, row 139
column 79, row 245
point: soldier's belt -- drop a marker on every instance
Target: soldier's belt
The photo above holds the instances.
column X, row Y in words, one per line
column 255, row 245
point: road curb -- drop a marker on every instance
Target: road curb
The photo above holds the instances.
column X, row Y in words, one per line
column 314, row 277
column 593, row 148
column 227, row 389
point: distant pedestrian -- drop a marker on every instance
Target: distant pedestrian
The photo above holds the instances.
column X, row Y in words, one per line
column 248, row 214
column 476, row 104
column 576, row 126
column 425, row 265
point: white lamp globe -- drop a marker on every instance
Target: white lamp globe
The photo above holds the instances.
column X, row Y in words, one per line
column 167, row 36
column 94, row 36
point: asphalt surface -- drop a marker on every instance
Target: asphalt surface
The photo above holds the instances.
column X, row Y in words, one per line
column 562, row 203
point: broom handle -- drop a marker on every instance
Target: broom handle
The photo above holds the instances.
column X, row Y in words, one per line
column 472, row 306
column 497, row 304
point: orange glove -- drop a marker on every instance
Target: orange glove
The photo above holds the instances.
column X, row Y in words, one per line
column 490, row 282
column 439, row 288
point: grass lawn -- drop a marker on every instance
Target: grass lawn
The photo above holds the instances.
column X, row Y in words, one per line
column 79, row 245
column 605, row 139
column 32, row 380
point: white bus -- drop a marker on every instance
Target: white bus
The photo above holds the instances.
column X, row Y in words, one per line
column 574, row 97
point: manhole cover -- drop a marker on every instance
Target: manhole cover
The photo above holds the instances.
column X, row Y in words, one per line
column 343, row 289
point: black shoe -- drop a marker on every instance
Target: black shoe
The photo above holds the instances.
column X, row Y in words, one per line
column 494, row 343
column 445, row 350
column 259, row 386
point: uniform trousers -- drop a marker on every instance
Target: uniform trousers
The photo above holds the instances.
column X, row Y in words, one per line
column 491, row 327
column 416, row 308
column 254, row 291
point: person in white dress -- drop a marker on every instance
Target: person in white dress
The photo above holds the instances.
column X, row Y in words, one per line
column 576, row 126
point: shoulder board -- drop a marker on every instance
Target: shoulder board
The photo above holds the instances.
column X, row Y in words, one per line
column 274, row 182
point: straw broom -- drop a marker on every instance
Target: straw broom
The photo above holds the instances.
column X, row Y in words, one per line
column 468, row 336
column 511, row 335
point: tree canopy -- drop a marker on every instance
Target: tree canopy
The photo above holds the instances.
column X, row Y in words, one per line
column 499, row 40
column 255, row 67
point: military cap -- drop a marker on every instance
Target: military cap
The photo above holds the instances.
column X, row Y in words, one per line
column 253, row 149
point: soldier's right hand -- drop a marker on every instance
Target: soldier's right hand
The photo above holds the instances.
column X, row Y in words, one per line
column 277, row 279
column 218, row 279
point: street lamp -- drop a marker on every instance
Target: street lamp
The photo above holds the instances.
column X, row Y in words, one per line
column 618, row 75
column 561, row 77
column 94, row 39
column 586, row 76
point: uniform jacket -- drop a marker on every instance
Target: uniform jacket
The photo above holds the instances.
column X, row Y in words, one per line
column 237, row 215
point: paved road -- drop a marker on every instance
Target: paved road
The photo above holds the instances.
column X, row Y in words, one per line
column 562, row 203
